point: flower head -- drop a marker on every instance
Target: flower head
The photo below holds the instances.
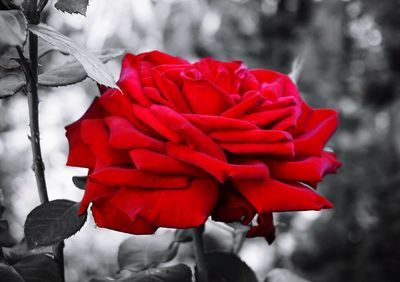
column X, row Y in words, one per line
column 185, row 141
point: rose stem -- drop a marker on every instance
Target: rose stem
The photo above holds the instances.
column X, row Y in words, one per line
column 199, row 253
column 33, row 103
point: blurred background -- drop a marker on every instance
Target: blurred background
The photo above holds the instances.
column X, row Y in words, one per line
column 351, row 61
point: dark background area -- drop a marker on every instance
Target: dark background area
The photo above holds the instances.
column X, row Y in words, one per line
column 350, row 53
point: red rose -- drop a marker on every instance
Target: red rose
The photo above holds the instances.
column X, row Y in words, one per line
column 185, row 141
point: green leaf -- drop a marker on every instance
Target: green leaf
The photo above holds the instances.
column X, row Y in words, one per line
column 143, row 252
column 72, row 6
column 6, row 239
column 52, row 222
column 11, row 82
column 13, row 28
column 80, row 181
column 9, row 274
column 73, row 72
column 92, row 65
column 38, row 268
column 228, row 267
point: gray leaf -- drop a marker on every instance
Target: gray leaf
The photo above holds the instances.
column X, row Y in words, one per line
column 52, row 222
column 38, row 268
column 13, row 27
column 11, row 82
column 283, row 275
column 92, row 65
column 9, row 274
column 143, row 252
column 176, row 273
column 73, row 72
column 80, row 181
column 228, row 267
column 72, row 6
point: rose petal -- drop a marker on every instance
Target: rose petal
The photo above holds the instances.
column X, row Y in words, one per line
column 120, row 105
column 129, row 80
column 153, row 162
column 309, row 169
column 211, row 123
column 278, row 84
column 182, row 208
column 155, row 95
column 118, row 176
column 222, row 74
column 204, row 98
column 217, row 168
column 320, row 128
column 93, row 192
column 146, row 116
column 123, row 135
column 280, row 103
column 106, row 215
column 170, row 92
column 268, row 118
column 285, row 149
column 160, row 58
column 265, row 228
column 95, row 134
column 244, row 106
column 251, row 136
column 249, row 83
column 232, row 206
column 193, row 136
column 274, row 196
column 80, row 154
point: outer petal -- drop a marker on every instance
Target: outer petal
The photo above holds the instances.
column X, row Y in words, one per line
column 95, row 134
column 308, row 169
column 319, row 129
column 79, row 153
column 107, row 215
column 182, row 208
column 274, row 196
column 265, row 228
column 93, row 192
column 232, row 206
